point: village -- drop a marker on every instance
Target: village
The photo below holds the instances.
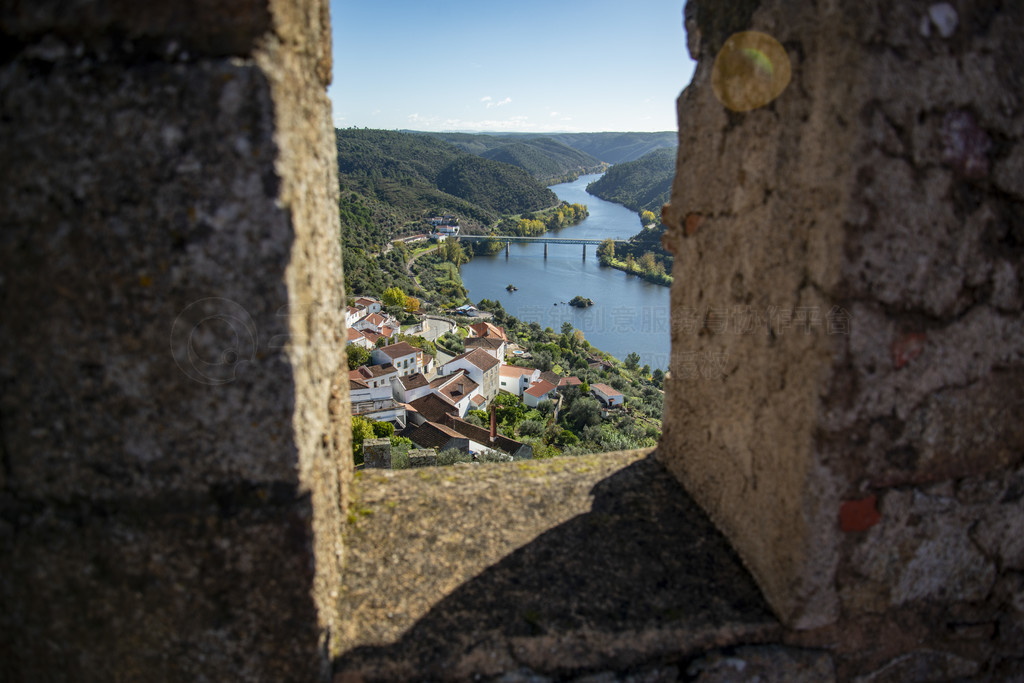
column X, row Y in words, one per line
column 428, row 399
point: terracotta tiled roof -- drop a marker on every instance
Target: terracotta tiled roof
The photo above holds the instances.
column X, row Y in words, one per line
column 354, row 335
column 479, row 358
column 449, row 386
column 375, row 319
column 483, row 436
column 357, row 384
column 414, row 381
column 433, row 407
column 484, row 343
column 571, row 381
column 540, row 388
column 606, row 390
column 549, row 376
column 433, row 435
column 485, row 329
column 398, row 350
column 515, row 371
column 363, row 372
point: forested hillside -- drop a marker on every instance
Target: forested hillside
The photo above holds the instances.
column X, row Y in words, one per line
column 392, row 182
column 546, row 159
column 644, row 186
column 641, row 185
column 404, row 170
column 616, row 148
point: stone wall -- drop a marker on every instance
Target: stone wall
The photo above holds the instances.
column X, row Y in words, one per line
column 847, row 332
column 174, row 437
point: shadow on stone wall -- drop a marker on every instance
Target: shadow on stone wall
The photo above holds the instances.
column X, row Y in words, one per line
column 641, row 575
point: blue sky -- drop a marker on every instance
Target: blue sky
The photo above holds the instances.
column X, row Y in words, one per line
column 527, row 65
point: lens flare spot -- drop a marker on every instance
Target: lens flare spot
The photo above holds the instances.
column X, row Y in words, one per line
column 751, row 70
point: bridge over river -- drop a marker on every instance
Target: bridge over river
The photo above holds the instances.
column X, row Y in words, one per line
column 509, row 239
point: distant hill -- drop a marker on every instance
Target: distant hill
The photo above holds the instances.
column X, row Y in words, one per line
column 392, row 182
column 546, row 159
column 616, row 148
column 641, row 185
column 420, row 174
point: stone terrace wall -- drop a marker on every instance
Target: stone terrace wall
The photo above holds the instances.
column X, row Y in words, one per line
column 848, row 357
column 174, row 443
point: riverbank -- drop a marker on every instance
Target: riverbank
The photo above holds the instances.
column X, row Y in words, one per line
column 663, row 279
column 629, row 314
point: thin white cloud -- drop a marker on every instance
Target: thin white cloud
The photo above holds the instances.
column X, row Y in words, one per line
column 492, row 103
column 486, row 98
column 554, row 113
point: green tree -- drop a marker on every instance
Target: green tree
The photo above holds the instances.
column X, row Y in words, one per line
column 567, row 329
column 362, row 429
column 584, row 412
column 393, row 296
column 606, row 250
column 648, row 263
column 647, row 217
column 383, row 430
column 632, row 360
column 357, row 356
column 412, row 304
column 508, row 409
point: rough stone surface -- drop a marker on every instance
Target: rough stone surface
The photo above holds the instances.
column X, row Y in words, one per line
column 763, row 663
column 596, row 565
column 426, row 457
column 847, row 320
column 377, row 454
column 174, row 469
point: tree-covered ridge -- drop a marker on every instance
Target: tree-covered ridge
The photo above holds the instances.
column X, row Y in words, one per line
column 560, row 157
column 644, row 186
column 617, row 148
column 497, row 187
column 415, row 175
column 641, row 185
column 544, row 158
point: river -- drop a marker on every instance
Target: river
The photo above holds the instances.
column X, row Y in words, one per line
column 629, row 314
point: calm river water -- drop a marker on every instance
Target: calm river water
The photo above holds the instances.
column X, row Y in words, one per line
column 628, row 314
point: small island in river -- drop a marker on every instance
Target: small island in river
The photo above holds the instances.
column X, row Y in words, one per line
column 581, row 302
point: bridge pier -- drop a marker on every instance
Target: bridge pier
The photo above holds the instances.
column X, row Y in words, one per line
column 584, row 252
column 545, row 250
column 506, row 248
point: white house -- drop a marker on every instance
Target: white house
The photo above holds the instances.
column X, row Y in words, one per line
column 459, row 389
column 492, row 345
column 542, row 390
column 368, row 305
column 379, row 323
column 375, row 375
column 375, row 403
column 411, row 387
column 358, row 338
column 403, row 355
column 516, row 380
column 482, row 368
column 606, row 394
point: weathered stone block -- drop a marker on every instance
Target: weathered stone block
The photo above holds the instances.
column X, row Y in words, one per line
column 863, row 221
column 175, row 431
column 426, row 457
column 377, row 454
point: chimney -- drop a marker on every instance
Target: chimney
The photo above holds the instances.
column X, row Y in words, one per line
column 462, row 387
column 494, row 424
